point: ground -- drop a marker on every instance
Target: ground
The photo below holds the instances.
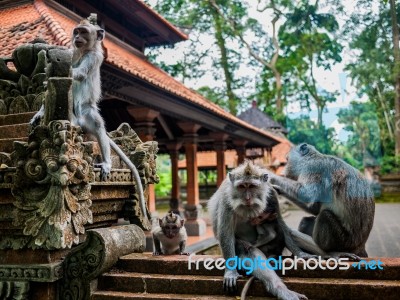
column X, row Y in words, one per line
column 384, row 239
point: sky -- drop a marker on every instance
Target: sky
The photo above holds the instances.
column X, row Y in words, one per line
column 330, row 80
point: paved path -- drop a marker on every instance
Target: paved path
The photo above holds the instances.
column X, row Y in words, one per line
column 384, row 239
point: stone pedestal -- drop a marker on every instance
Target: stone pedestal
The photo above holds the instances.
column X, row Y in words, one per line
column 195, row 227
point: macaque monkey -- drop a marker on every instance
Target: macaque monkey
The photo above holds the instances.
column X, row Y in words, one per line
column 170, row 236
column 237, row 209
column 86, row 90
column 336, row 194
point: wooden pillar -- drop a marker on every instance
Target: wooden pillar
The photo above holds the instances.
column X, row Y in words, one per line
column 240, row 150
column 268, row 156
column 220, row 147
column 174, row 202
column 194, row 225
column 145, row 129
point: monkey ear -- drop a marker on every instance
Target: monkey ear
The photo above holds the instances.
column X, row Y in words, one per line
column 231, row 177
column 264, row 177
column 304, row 149
column 100, row 34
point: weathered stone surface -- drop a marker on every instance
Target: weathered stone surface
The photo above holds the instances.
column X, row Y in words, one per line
column 168, row 277
column 31, row 272
column 17, row 290
column 100, row 252
column 29, row 256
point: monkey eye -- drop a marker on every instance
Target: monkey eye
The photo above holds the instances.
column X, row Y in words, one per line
column 251, row 186
column 241, row 187
column 304, row 149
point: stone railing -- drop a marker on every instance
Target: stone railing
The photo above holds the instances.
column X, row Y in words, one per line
column 51, row 194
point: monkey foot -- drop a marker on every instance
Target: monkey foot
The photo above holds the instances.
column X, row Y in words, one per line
column 105, row 170
column 338, row 255
column 286, row 294
column 230, row 279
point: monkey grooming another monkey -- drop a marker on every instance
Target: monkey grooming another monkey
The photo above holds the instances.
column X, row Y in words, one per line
column 336, row 194
column 170, row 236
column 235, row 209
column 86, row 89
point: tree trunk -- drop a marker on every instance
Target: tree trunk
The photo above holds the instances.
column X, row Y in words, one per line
column 225, row 63
column 396, row 54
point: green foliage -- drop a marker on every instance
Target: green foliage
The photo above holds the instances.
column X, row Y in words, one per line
column 304, row 130
column 371, row 65
column 390, row 164
column 308, row 40
column 364, row 144
column 163, row 188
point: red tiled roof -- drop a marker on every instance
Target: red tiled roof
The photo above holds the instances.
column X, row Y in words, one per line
column 24, row 23
column 161, row 18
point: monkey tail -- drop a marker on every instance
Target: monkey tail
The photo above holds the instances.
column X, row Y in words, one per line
column 246, row 288
column 136, row 176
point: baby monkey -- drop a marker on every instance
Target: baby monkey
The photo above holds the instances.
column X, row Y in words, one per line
column 170, row 236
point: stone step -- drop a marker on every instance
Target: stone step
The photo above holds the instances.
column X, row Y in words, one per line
column 107, row 295
column 7, row 145
column 146, row 263
column 14, row 131
column 313, row 288
column 16, row 118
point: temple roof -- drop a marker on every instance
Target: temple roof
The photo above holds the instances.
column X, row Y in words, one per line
column 259, row 119
column 24, row 23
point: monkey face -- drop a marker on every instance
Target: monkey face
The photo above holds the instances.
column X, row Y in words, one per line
column 249, row 197
column 85, row 36
column 171, row 230
column 248, row 191
column 297, row 158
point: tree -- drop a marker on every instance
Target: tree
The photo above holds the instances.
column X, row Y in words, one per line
column 396, row 73
column 371, row 66
column 259, row 51
column 203, row 20
column 308, row 40
column 304, row 130
column 361, row 121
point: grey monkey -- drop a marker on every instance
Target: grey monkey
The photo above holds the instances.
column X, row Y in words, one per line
column 170, row 236
column 336, row 194
column 87, row 57
column 239, row 201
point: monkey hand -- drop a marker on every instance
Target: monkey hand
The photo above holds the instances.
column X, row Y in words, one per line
column 105, row 170
column 156, row 253
column 305, row 255
column 285, row 294
column 77, row 74
column 230, row 278
column 184, row 253
column 277, row 188
column 263, row 217
column 337, row 255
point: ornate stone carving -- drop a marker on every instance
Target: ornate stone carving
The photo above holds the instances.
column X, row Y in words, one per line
column 143, row 155
column 54, row 169
column 16, row 290
column 100, row 252
column 35, row 272
column 52, row 187
column 18, row 89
